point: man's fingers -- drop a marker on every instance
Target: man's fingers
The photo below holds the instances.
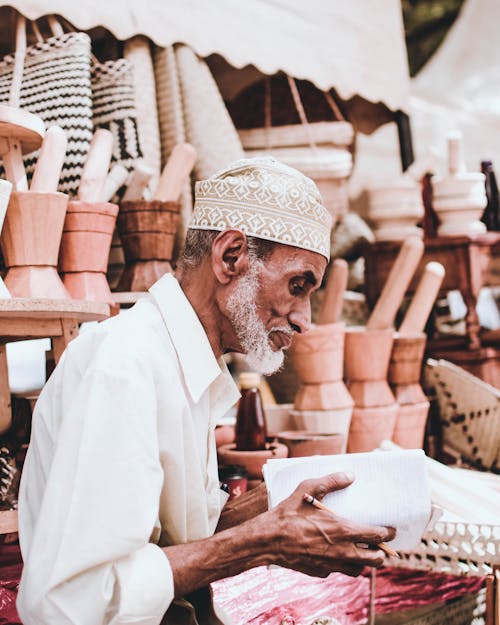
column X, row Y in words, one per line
column 335, row 481
column 372, row 535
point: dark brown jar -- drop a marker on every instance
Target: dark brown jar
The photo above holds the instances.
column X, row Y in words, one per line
column 251, row 431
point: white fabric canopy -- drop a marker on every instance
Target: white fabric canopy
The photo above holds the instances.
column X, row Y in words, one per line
column 355, row 47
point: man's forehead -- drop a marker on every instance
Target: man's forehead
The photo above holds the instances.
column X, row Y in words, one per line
column 296, row 260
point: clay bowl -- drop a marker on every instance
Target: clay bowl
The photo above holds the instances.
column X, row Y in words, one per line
column 406, row 359
column 253, row 461
column 304, row 443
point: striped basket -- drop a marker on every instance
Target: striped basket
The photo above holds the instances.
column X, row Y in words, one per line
column 113, row 101
column 56, row 87
column 469, row 412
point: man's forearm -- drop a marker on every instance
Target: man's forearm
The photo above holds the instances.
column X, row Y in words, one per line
column 225, row 554
column 243, row 508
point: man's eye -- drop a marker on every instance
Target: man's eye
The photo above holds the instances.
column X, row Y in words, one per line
column 297, row 287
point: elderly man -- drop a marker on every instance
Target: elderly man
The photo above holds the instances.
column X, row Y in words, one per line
column 120, row 497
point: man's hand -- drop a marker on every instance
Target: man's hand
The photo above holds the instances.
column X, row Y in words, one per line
column 294, row 535
column 318, row 542
column 243, row 508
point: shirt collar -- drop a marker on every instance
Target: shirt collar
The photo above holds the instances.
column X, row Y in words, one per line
column 196, row 357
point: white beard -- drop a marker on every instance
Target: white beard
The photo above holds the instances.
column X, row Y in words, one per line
column 251, row 332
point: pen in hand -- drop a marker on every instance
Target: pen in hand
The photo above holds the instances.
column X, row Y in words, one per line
column 317, row 504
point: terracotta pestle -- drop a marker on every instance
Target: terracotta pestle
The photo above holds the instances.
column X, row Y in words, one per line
column 406, row 361
column 367, row 355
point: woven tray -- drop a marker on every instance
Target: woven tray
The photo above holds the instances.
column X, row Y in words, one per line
column 458, row 548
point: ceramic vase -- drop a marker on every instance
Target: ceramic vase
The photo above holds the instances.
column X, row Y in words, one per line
column 404, row 378
column 83, row 258
column 459, row 202
column 147, row 231
column 253, row 461
column 367, row 356
column 30, row 240
column 394, row 209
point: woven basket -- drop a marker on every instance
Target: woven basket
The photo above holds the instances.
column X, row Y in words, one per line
column 209, row 127
column 113, row 102
column 470, row 413
column 137, row 51
column 171, row 118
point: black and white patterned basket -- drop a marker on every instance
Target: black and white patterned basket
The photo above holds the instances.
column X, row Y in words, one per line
column 56, row 87
column 113, row 101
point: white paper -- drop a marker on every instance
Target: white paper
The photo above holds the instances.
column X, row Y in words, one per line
column 390, row 489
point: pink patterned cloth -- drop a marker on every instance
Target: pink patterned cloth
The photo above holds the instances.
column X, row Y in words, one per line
column 268, row 596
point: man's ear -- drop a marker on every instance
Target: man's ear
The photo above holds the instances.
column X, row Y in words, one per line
column 229, row 255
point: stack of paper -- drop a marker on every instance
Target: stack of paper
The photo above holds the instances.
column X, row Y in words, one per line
column 390, row 489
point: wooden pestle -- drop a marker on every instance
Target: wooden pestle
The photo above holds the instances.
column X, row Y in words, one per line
column 138, row 181
column 114, row 180
column 397, row 282
column 96, row 166
column 175, row 172
column 421, row 305
column 50, row 161
column 331, row 307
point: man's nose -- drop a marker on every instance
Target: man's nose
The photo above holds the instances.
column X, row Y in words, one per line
column 300, row 316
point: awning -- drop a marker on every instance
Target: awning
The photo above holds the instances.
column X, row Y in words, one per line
column 358, row 48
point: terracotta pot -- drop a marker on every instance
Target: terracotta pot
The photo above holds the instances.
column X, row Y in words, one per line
column 30, row 241
column 366, row 358
column 327, row 396
column 253, row 461
column 326, row 421
column 85, row 245
column 278, row 418
column 318, row 354
column 406, row 359
column 410, row 424
column 147, row 231
column 304, row 443
column 404, row 376
column 370, row 426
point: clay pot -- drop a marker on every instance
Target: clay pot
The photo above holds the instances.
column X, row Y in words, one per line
column 253, row 461
column 366, row 358
column 85, row 245
column 278, row 418
column 326, row 396
column 318, row 354
column 326, row 421
column 404, row 378
column 459, row 201
column 147, row 231
column 30, row 242
column 304, row 443
column 370, row 426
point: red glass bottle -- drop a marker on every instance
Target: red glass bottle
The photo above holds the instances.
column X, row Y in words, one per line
column 251, row 431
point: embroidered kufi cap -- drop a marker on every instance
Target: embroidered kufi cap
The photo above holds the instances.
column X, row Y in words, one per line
column 265, row 199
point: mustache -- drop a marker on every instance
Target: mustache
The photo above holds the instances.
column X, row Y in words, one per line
column 283, row 329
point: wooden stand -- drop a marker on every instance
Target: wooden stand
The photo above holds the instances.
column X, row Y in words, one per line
column 465, row 259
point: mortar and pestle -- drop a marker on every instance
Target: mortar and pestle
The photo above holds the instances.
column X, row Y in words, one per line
column 406, row 361
column 88, row 227
column 323, row 404
column 147, row 227
column 34, row 221
column 368, row 352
